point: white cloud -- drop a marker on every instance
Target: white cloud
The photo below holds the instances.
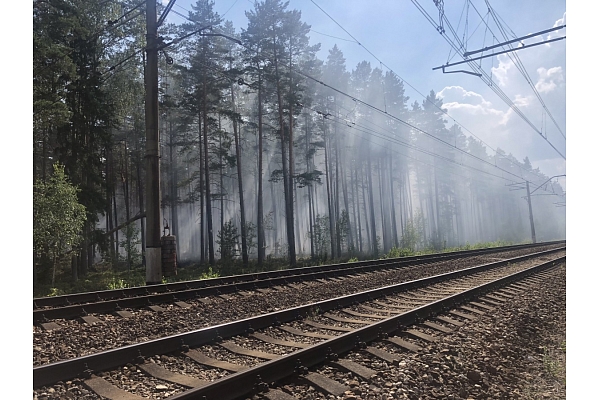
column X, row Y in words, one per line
column 549, row 79
column 502, row 70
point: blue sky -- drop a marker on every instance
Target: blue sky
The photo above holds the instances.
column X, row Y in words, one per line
column 400, row 36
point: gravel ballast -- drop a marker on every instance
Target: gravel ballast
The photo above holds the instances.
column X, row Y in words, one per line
column 516, row 351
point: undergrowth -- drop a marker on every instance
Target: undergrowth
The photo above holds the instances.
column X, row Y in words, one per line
column 106, row 277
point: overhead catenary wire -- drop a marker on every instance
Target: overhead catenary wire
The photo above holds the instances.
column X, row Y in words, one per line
column 403, row 80
column 522, row 68
column 485, row 77
column 343, row 123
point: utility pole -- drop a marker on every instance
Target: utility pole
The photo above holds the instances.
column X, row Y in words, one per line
column 530, row 213
column 153, row 220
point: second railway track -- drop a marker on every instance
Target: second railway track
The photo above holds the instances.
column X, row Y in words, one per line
column 107, row 301
column 223, row 352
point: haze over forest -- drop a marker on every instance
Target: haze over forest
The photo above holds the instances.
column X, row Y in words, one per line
column 266, row 149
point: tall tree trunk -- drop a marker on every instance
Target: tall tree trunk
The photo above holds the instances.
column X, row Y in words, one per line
column 221, row 184
column 338, row 233
column 202, row 191
column 289, row 217
column 329, row 202
column 292, row 192
column 372, row 207
column 125, row 180
column 392, row 206
column 259, row 211
column 174, row 178
column 209, row 222
column 116, row 222
column 238, row 155
column 381, row 201
column 350, row 243
column 141, row 203
column 367, row 227
column 357, row 209
column 109, row 213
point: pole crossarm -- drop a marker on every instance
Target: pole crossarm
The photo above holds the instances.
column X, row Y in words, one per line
column 549, row 179
column 498, row 53
column 468, row 53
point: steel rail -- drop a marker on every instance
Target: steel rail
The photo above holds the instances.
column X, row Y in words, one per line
column 69, row 369
column 41, row 304
column 243, row 383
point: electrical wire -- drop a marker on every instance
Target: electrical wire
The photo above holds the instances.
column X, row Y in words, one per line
column 518, row 63
column 403, row 80
column 459, row 48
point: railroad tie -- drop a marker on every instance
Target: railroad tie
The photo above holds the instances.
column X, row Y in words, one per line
column 357, row 314
column 274, row 394
column 210, row 362
column 419, row 335
column 481, row 305
column 382, row 354
column 324, row 383
column 473, row 310
column 489, row 301
column 298, row 332
column 329, row 327
column 183, row 304
column 124, row 314
column 381, row 303
column 463, row 315
column 404, row 344
column 449, row 320
column 107, row 390
column 437, row 327
column 50, row 326
column 90, row 320
column 347, row 320
column 234, row 348
column 164, row 374
column 269, row 339
column 495, row 298
column 396, row 311
column 355, row 368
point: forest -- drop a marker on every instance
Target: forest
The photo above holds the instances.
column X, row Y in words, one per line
column 266, row 151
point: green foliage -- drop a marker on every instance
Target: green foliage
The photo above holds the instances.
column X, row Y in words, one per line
column 353, row 259
column 412, row 236
column 343, row 227
column 210, row 274
column 251, row 236
column 227, row 239
column 132, row 244
column 58, row 218
column 321, row 235
column 396, row 252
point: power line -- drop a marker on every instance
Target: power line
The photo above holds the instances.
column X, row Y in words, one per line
column 460, row 49
column 412, row 146
column 403, row 80
column 523, row 70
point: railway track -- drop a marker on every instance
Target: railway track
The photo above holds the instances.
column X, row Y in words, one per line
column 69, row 338
column 47, row 309
column 244, row 357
